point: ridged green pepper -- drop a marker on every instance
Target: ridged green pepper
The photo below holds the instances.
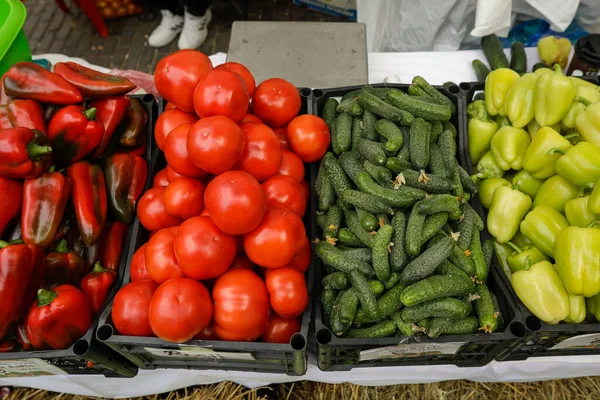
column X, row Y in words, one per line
column 546, row 147
column 589, row 93
column 541, row 225
column 508, row 146
column 524, row 182
column 519, row 258
column 487, row 187
column 577, row 261
column 481, row 130
column 588, row 122
column 476, row 109
column 540, row 288
column 533, row 127
column 555, row 192
column 577, row 309
column 519, row 100
column 554, row 94
column 497, row 85
column 488, row 167
column 578, row 213
column 593, row 306
column 508, row 208
column 580, row 164
column 594, row 201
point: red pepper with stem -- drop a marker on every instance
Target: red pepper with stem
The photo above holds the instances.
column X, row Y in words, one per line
column 24, row 153
column 21, row 274
column 22, row 113
column 96, row 285
column 110, row 112
column 11, row 197
column 27, row 80
column 62, row 266
column 44, row 201
column 112, row 246
column 125, row 180
column 75, row 133
column 91, row 83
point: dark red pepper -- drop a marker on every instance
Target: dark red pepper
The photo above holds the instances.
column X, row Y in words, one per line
column 8, row 346
column 66, row 225
column 125, row 180
column 133, row 127
column 89, row 199
column 91, row 83
column 62, row 266
column 44, row 201
column 27, row 80
column 24, row 153
column 136, row 151
column 75, row 133
column 113, row 245
column 11, row 197
column 110, row 112
column 23, row 113
column 96, row 285
column 21, row 274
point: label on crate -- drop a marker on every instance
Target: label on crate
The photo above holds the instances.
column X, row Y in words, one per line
column 591, row 341
column 27, row 367
column 410, row 350
column 199, row 352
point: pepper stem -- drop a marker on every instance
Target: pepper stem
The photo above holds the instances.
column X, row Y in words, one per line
column 98, row 268
column 62, row 247
column 527, row 263
column 45, row 297
column 558, row 69
column 485, row 116
column 556, row 151
column 593, row 224
column 572, row 135
column 36, row 151
column 584, row 191
column 582, row 100
column 514, row 247
column 3, row 244
column 90, row 114
column 16, row 241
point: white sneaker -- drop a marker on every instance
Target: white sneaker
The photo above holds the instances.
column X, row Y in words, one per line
column 167, row 31
column 195, row 30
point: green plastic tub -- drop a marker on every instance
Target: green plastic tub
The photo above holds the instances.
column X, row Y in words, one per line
column 13, row 43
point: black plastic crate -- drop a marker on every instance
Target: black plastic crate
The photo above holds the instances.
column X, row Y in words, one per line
column 87, row 355
column 152, row 352
column 474, row 350
column 541, row 337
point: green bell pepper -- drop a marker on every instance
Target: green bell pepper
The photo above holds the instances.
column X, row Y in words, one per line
column 508, row 208
column 546, row 147
column 488, row 167
column 539, row 287
column 577, row 260
column 533, row 127
column 521, row 240
column 520, row 256
column 476, row 109
column 577, row 309
column 554, row 94
column 487, row 187
column 508, row 146
column 579, row 214
column 480, row 130
column 589, row 93
column 497, row 85
column 541, row 225
column 519, row 100
column 593, row 306
column 555, row 192
column 524, row 182
column 502, row 121
column 588, row 122
column 594, row 202
column 502, row 251
column 580, row 164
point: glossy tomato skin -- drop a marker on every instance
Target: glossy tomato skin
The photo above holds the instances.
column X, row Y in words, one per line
column 301, row 260
column 177, row 155
column 169, row 106
column 250, row 118
column 243, row 72
column 208, row 333
column 137, row 269
column 241, row 260
column 287, row 291
column 282, row 136
column 241, row 305
column 161, row 262
column 177, row 75
column 280, row 330
column 215, row 144
column 276, row 102
column 169, row 120
column 172, row 176
column 180, row 309
column 130, row 310
column 285, row 191
column 291, row 165
column 236, row 202
column 151, row 211
column 221, row 92
column 306, row 188
column 309, row 137
column 184, row 198
column 160, row 179
column 202, row 249
column 278, row 238
column 262, row 155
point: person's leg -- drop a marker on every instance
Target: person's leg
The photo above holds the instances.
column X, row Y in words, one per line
column 170, row 25
column 195, row 28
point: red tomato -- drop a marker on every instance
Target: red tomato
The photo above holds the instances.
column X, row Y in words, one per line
column 276, row 102
column 130, row 310
column 208, row 333
column 282, row 136
column 223, row 93
column 151, row 211
column 137, row 268
column 287, row 291
column 306, row 189
column 241, row 305
column 204, row 213
column 242, row 71
column 203, row 251
column 309, row 137
column 180, row 309
column 236, row 202
column 262, row 155
column 277, row 239
column 283, row 190
column 172, row 176
column 169, row 120
column 291, row 165
column 280, row 330
column 177, row 75
column 241, row 260
column 169, row 106
column 160, row 179
column 301, row 260
column 161, row 262
column 184, row 198
column 215, row 144
column 250, row 118
column 177, row 155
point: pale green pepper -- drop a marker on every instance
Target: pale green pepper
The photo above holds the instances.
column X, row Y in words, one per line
column 524, row 182
column 541, row 225
column 554, row 94
column 509, row 146
column 555, row 192
column 508, row 208
column 487, row 187
column 519, row 100
column 589, row 93
column 577, row 260
column 594, row 202
column 577, row 311
column 497, row 85
column 578, row 213
column 545, row 149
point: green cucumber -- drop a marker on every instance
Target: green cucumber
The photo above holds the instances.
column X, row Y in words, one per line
column 351, row 107
column 380, row 250
column 433, row 224
column 404, row 153
column 466, row 228
column 326, row 195
column 356, row 228
column 337, row 281
column 368, row 220
column 428, row 182
column 381, row 174
column 436, row 162
column 447, row 268
column 418, row 108
column 319, row 180
column 353, row 95
column 402, row 197
column 382, row 329
column 335, row 258
column 369, row 119
column 415, row 90
column 357, row 131
column 336, row 174
column 487, row 249
column 460, row 259
column 481, row 70
column 379, row 107
column 382, row 92
column 328, row 297
column 365, row 294
column 433, row 92
column 346, row 237
column 397, row 165
column 366, row 201
column 492, row 48
column 398, row 257
column 457, row 189
column 518, row 58
column 347, row 306
column 448, row 148
column 446, row 307
column 392, row 280
column 449, row 126
column 439, row 203
column 383, row 219
column 369, row 150
column 333, row 222
column 341, row 139
column 486, row 310
column 377, row 287
column 329, row 113
column 478, row 259
column 436, row 287
column 420, row 131
column 405, row 328
column 414, row 232
column 321, row 220
column 336, row 325
column 427, row 262
column 497, row 307
column 447, row 326
column 362, row 254
column 387, row 304
column 350, row 164
column 467, row 182
column 476, row 217
column 391, row 132
column 436, row 130
column 537, row 66
column 424, row 323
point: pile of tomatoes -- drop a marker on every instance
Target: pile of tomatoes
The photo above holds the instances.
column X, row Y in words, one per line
column 228, row 250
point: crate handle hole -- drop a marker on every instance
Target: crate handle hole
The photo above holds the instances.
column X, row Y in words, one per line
column 305, row 92
column 81, row 347
column 518, row 329
column 465, row 86
column 453, row 89
column 104, row 332
column 533, row 323
column 324, row 336
column 317, row 93
column 298, row 342
column 148, row 98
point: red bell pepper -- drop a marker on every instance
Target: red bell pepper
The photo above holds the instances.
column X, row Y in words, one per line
column 22, row 338
column 110, row 112
column 135, row 152
column 75, row 133
column 133, row 132
column 60, row 316
column 96, row 285
column 66, row 225
column 62, row 266
column 8, row 346
column 23, row 113
column 21, row 274
column 11, row 197
column 27, row 80
column 24, row 153
column 91, row 83
column 125, row 180
column 89, row 199
column 113, row 245
column 44, row 201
